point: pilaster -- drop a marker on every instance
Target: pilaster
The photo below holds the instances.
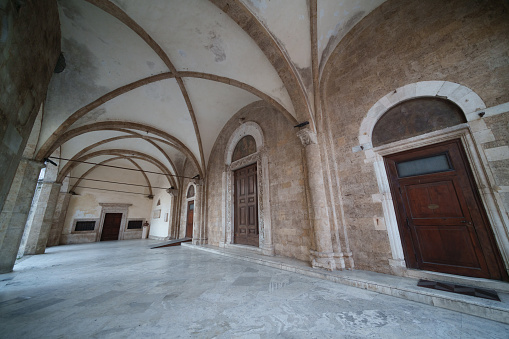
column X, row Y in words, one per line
column 59, row 219
column 197, row 214
column 39, row 230
column 323, row 255
column 15, row 211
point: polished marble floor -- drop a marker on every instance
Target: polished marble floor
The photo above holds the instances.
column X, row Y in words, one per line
column 126, row 290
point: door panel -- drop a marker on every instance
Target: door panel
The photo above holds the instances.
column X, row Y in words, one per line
column 246, row 206
column 441, row 219
column 447, row 245
column 111, row 226
column 434, row 200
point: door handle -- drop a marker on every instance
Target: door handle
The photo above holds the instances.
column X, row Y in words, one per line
column 466, row 222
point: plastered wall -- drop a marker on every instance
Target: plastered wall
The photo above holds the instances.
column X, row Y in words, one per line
column 160, row 226
column 86, row 206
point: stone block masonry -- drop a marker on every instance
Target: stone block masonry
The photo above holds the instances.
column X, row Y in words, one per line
column 358, row 74
column 292, row 236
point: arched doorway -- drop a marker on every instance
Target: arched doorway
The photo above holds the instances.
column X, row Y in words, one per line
column 245, row 195
column 430, row 176
column 246, row 214
column 190, row 211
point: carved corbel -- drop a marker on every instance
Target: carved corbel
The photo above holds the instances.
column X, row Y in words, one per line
column 307, row 137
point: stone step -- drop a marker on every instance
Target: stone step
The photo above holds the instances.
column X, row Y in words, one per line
column 400, row 287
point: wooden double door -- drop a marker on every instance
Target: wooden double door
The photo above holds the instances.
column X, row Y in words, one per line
column 442, row 223
column 246, row 206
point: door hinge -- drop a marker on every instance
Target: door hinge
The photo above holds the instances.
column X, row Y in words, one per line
column 407, row 222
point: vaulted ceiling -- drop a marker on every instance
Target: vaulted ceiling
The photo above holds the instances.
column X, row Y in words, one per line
column 150, row 84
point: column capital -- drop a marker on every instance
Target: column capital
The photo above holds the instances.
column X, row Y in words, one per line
column 33, row 162
column 307, row 137
column 56, row 183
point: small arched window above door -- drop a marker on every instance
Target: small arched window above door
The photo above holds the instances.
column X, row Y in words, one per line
column 245, row 147
column 190, row 191
column 415, row 117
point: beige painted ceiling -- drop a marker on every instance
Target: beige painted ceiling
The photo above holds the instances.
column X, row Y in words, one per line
column 161, row 78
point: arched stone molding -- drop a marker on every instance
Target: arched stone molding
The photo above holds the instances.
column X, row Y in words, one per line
column 247, row 128
column 260, row 157
column 53, row 141
column 131, row 135
column 464, row 97
column 471, row 104
column 116, row 125
column 193, row 198
column 275, row 53
column 116, row 152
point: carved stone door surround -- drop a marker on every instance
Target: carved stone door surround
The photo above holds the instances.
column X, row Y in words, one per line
column 188, row 199
column 260, row 157
column 113, row 208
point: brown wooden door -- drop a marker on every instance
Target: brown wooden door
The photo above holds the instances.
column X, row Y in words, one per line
column 189, row 223
column 440, row 216
column 111, row 226
column 246, row 206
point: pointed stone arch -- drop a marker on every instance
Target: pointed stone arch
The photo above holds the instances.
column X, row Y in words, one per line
column 115, row 152
column 116, row 125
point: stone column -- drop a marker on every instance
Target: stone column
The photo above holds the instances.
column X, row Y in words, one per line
column 59, row 219
column 203, row 215
column 323, row 255
column 267, row 247
column 15, row 211
column 37, row 233
column 176, row 217
column 173, row 219
column 224, row 209
column 197, row 214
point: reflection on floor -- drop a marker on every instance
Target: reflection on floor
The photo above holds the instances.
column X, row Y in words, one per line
column 125, row 289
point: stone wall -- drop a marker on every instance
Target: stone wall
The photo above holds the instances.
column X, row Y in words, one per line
column 497, row 152
column 292, row 235
column 30, row 45
column 399, row 43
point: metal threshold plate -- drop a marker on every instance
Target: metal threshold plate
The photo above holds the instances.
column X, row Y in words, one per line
column 460, row 289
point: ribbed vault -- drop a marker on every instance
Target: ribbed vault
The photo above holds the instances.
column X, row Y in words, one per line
column 162, row 78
